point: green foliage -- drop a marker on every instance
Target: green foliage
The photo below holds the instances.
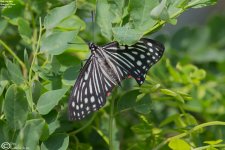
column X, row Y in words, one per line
column 183, row 93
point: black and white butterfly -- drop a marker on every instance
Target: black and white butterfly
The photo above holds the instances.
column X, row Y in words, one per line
column 106, row 67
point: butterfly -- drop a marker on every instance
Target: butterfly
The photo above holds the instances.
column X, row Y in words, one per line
column 106, row 67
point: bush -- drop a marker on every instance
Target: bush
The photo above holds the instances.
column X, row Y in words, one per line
column 180, row 105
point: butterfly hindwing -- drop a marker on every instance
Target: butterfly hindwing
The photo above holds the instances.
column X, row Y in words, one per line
column 137, row 59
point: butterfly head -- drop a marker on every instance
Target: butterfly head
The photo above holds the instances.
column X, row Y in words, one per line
column 92, row 46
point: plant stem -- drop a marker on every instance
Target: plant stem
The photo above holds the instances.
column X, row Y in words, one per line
column 32, row 64
column 111, row 118
column 24, row 69
column 35, row 53
column 189, row 132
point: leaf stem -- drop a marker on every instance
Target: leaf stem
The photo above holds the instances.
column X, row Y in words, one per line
column 24, row 69
column 189, row 132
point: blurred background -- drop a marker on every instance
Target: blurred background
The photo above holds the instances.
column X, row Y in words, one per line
column 195, row 17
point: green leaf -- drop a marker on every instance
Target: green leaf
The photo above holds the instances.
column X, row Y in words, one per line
column 29, row 135
column 142, row 128
column 15, row 72
column 160, row 11
column 49, row 100
column 144, row 105
column 140, row 13
column 127, row 100
column 13, row 13
column 57, row 141
column 212, row 148
column 132, row 99
column 127, row 36
column 201, row 3
column 53, row 126
column 4, row 132
column 178, row 144
column 213, row 142
column 103, row 18
column 15, row 107
column 36, row 91
column 24, row 30
column 173, row 94
column 70, row 75
column 79, row 45
column 56, row 15
column 169, row 119
column 3, row 84
column 3, row 25
column 72, row 23
column 116, row 10
column 54, row 45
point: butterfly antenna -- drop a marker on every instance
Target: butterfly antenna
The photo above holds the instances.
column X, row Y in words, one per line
column 93, row 25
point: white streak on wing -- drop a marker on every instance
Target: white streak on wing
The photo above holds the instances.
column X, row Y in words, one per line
column 120, row 71
column 81, row 94
column 134, row 52
column 107, row 83
column 130, row 56
column 90, row 86
column 75, row 91
column 125, row 62
column 139, row 49
column 85, row 91
column 112, row 48
column 96, row 78
column 106, row 88
column 78, row 94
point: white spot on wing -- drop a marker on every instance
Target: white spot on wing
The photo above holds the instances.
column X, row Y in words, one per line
column 86, row 100
column 139, row 63
column 92, row 99
column 142, row 56
column 149, row 44
column 73, row 104
column 81, row 105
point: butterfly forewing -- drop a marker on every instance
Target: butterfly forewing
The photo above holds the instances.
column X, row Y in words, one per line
column 107, row 67
column 91, row 88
